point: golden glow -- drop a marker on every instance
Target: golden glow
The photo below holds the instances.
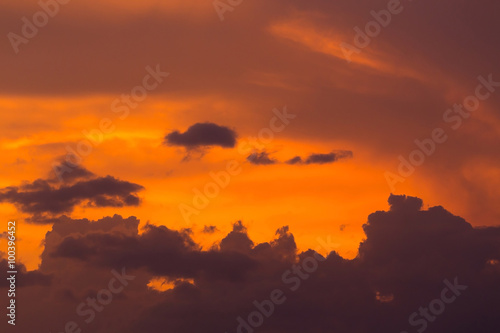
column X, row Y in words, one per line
column 162, row 284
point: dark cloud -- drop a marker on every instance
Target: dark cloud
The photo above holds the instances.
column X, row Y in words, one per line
column 237, row 240
column 322, row 158
column 68, row 173
column 328, row 158
column 402, row 203
column 24, row 278
column 209, row 229
column 354, row 103
column 45, row 199
column 147, row 250
column 261, row 158
column 295, row 160
column 202, row 135
column 401, row 266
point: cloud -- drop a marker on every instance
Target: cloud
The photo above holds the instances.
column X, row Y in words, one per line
column 45, row 199
column 186, row 260
column 295, row 160
column 209, row 229
column 261, row 158
column 202, row 135
column 23, row 277
column 71, row 173
column 401, row 266
column 322, row 158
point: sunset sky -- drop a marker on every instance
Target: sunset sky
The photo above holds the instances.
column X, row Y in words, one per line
column 230, row 120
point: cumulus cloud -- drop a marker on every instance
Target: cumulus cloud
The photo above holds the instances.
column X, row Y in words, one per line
column 401, row 266
column 147, row 250
column 24, row 277
column 202, row 135
column 45, row 199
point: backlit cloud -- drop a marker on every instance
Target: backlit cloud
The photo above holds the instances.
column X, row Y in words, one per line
column 409, row 257
column 202, row 135
column 44, row 199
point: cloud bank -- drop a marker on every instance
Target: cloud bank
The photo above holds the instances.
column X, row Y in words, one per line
column 410, row 258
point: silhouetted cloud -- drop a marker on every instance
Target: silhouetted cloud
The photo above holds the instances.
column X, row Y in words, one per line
column 295, row 160
column 400, row 267
column 147, row 250
column 44, row 199
column 23, row 277
column 261, row 158
column 202, row 135
column 209, row 229
column 322, row 158
column 68, row 173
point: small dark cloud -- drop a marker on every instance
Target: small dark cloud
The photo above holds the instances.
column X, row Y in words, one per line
column 295, row 160
column 261, row 158
column 322, row 158
column 202, row 135
column 209, row 229
column 328, row 158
